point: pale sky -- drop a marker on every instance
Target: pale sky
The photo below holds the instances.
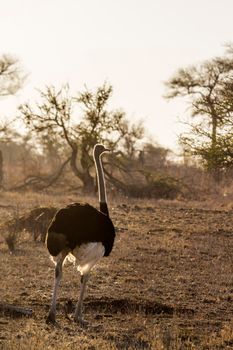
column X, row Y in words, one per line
column 135, row 45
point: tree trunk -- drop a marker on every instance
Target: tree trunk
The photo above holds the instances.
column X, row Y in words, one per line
column 84, row 176
column 215, row 167
column 214, row 132
column 88, row 183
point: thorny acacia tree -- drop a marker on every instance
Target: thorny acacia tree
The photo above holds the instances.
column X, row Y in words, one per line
column 52, row 119
column 209, row 88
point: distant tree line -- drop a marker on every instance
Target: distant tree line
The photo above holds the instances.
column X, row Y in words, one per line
column 62, row 128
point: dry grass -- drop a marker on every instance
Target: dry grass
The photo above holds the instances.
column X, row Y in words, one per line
column 168, row 283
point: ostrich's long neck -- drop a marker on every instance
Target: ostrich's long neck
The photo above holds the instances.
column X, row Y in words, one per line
column 101, row 186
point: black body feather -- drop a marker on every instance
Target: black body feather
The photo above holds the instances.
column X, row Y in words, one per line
column 79, row 223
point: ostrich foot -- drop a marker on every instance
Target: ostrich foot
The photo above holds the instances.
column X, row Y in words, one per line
column 51, row 318
column 80, row 321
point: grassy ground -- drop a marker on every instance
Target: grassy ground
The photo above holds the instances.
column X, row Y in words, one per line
column 168, row 283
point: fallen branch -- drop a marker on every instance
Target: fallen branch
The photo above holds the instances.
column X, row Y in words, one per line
column 40, row 182
column 15, row 311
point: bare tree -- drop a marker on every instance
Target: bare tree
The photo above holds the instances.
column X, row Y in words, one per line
column 53, row 117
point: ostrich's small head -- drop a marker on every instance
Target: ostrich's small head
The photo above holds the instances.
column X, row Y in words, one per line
column 99, row 149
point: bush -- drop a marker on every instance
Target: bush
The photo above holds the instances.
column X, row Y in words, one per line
column 160, row 187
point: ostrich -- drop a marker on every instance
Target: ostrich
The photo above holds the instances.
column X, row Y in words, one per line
column 82, row 232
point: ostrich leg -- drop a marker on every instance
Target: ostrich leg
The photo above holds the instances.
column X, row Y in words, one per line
column 58, row 276
column 78, row 311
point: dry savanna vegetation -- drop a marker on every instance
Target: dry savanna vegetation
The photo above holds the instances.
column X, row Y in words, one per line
column 168, row 283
